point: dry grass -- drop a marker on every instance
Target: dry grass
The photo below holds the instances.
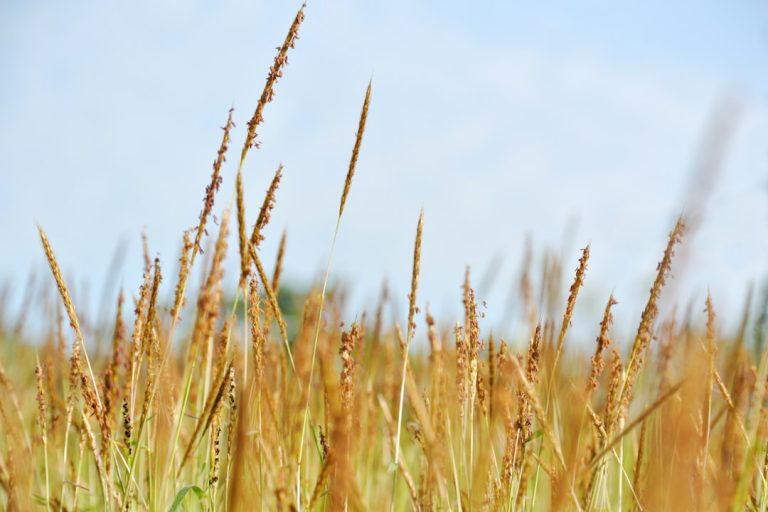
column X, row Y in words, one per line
column 158, row 415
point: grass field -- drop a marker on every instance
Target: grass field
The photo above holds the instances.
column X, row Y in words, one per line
column 246, row 406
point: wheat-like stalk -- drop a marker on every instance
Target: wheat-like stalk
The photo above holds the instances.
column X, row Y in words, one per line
column 648, row 317
column 355, row 150
column 345, row 193
column 70, row 309
column 412, row 308
column 213, row 186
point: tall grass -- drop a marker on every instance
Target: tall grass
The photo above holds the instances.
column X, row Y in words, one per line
column 236, row 412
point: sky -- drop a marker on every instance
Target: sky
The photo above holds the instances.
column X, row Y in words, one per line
column 569, row 123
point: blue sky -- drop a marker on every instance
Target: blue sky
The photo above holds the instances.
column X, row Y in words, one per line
column 576, row 123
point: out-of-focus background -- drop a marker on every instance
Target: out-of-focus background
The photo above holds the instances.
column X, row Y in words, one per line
column 569, row 123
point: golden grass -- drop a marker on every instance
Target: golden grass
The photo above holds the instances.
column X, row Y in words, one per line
column 371, row 417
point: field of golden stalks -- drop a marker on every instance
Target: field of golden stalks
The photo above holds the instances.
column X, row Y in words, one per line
column 246, row 406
